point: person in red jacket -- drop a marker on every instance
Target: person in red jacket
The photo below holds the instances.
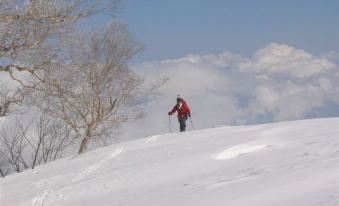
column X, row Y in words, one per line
column 183, row 113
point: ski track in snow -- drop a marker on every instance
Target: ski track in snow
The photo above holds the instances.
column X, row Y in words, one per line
column 152, row 139
column 100, row 164
column 39, row 200
column 236, row 151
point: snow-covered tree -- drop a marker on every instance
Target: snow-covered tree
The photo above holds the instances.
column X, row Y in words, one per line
column 29, row 37
column 93, row 91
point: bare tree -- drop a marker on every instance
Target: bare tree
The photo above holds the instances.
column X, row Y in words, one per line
column 51, row 138
column 13, row 146
column 37, row 142
column 30, row 32
column 95, row 91
column 4, row 166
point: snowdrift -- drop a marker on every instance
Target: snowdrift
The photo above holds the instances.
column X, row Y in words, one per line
column 290, row 163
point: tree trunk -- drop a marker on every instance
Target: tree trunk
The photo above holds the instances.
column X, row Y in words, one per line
column 2, row 174
column 84, row 144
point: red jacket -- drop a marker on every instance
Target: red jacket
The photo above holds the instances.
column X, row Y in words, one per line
column 182, row 108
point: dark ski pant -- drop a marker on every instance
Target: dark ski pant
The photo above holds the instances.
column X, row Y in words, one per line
column 182, row 123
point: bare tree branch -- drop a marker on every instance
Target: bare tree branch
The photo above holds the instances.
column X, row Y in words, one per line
column 8, row 99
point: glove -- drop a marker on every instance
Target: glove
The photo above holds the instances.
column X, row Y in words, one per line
column 189, row 115
column 169, row 113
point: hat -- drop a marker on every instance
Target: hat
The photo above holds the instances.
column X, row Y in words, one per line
column 178, row 98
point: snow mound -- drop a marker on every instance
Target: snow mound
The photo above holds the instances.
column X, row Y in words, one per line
column 238, row 150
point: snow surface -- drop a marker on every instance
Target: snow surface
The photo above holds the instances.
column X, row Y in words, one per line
column 281, row 164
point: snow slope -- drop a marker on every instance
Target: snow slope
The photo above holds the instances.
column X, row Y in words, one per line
column 281, row 164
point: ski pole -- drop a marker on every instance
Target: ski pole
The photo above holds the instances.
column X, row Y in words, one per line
column 192, row 124
column 169, row 122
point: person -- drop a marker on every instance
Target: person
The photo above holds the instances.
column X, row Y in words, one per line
column 183, row 112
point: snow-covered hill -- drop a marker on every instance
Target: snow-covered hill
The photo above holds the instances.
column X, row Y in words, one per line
column 281, row 164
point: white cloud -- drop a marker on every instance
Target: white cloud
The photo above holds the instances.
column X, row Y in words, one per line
column 278, row 83
column 282, row 59
column 290, row 102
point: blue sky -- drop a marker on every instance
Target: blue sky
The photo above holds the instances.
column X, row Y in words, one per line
column 175, row 28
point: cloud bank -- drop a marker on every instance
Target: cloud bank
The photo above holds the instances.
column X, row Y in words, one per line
column 277, row 83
